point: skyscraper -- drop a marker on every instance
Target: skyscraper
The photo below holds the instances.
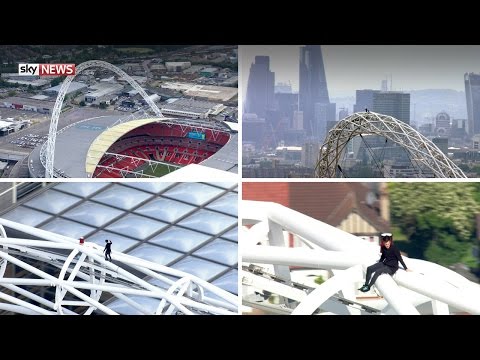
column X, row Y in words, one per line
column 472, row 92
column 260, row 88
column 392, row 103
column 364, row 100
column 313, row 91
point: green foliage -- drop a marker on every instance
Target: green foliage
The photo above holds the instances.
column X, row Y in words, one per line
column 56, row 81
column 453, row 201
column 319, row 280
column 103, row 105
column 82, row 103
column 437, row 218
column 12, row 93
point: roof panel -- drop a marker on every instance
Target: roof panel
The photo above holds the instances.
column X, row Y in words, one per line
column 27, row 216
column 122, row 197
column 180, row 239
column 208, row 221
column 52, row 201
column 136, row 226
column 93, row 214
column 165, row 209
column 155, row 254
column 205, row 270
column 193, row 193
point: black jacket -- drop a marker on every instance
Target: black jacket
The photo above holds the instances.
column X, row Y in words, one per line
column 391, row 257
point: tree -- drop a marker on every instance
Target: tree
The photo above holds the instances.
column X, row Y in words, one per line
column 82, row 103
column 56, row 81
column 438, row 218
column 103, row 105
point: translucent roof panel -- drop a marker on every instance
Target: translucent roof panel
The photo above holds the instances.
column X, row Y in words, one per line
column 155, row 254
column 189, row 226
column 228, row 281
column 93, row 213
column 222, row 251
column 149, row 304
column 122, row 197
column 82, row 189
column 227, row 204
column 119, row 243
column 231, row 234
column 68, row 228
column 138, row 227
column 165, row 209
column 153, row 187
column 224, row 184
column 193, row 193
column 180, row 239
column 208, row 221
column 205, row 270
column 27, row 216
column 52, row 201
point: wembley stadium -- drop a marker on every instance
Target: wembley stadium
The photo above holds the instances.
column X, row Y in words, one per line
column 122, row 147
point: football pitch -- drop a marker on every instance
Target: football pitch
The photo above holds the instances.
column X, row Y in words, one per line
column 156, row 170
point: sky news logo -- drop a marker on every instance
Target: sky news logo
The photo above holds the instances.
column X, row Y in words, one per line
column 46, row 69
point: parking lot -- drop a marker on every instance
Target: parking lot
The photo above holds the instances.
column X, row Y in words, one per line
column 29, row 140
column 25, row 140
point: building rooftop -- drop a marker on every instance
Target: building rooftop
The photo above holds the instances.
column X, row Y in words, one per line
column 209, row 92
column 29, row 101
column 190, row 105
column 74, row 86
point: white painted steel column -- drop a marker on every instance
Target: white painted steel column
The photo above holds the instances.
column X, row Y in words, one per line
column 330, row 287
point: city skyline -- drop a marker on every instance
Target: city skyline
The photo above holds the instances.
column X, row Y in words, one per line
column 353, row 67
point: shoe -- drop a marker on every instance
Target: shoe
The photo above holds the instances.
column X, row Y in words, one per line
column 364, row 288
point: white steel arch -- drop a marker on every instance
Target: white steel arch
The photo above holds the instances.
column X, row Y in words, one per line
column 418, row 146
column 83, row 267
column 428, row 288
column 49, row 171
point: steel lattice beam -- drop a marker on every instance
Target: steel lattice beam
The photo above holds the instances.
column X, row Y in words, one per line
column 418, row 146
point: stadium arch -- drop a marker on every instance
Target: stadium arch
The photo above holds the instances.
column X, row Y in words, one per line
column 50, row 152
column 418, row 146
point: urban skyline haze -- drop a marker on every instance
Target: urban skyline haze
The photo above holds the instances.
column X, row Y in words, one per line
column 353, row 67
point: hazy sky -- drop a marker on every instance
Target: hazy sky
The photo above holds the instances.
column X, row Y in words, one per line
column 352, row 67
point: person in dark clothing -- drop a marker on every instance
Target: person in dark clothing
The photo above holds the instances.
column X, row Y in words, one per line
column 108, row 250
column 388, row 263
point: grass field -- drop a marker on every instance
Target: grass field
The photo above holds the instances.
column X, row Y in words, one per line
column 159, row 171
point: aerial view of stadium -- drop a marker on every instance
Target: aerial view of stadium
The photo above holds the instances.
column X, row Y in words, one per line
column 126, row 112
column 129, row 248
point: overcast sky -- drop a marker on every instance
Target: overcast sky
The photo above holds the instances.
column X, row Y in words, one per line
column 352, row 67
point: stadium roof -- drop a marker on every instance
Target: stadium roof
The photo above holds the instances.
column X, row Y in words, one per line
column 191, row 227
column 107, row 138
column 74, row 142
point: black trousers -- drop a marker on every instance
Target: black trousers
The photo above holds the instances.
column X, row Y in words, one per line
column 108, row 256
column 378, row 269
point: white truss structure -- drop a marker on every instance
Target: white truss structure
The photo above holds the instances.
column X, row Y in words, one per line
column 85, row 276
column 57, row 109
column 419, row 147
column 152, row 164
column 428, row 288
